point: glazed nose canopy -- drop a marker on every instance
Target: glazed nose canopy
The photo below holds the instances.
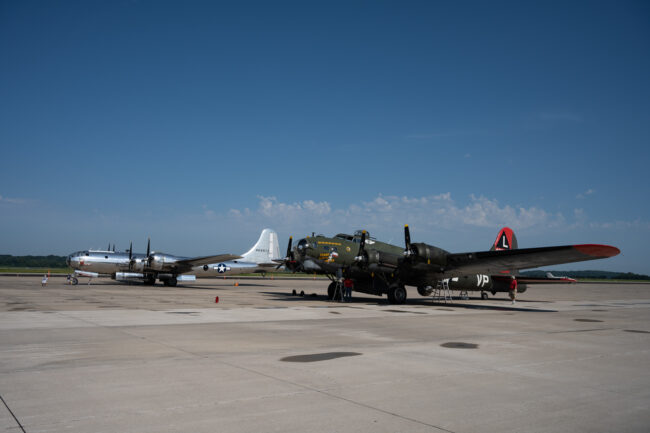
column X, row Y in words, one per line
column 302, row 246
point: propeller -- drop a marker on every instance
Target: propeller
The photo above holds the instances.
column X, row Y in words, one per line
column 131, row 261
column 149, row 257
column 289, row 256
column 408, row 250
column 361, row 255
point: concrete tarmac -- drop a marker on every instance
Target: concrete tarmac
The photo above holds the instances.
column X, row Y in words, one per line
column 113, row 357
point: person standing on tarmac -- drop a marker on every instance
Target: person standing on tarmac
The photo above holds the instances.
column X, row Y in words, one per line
column 513, row 290
column 347, row 287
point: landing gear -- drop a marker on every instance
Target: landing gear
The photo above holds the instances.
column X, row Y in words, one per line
column 170, row 282
column 396, row 294
column 150, row 280
column 332, row 293
column 484, row 295
column 74, row 281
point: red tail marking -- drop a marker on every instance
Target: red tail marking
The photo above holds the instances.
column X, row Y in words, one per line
column 504, row 239
column 596, row 250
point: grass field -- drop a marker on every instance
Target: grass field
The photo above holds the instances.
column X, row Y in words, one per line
column 37, row 270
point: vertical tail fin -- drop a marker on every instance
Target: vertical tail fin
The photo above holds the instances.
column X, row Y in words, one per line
column 265, row 250
column 506, row 240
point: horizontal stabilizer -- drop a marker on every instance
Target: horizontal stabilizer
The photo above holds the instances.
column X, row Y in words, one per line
column 269, row 265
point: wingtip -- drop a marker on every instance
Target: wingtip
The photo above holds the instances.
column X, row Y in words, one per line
column 596, row 250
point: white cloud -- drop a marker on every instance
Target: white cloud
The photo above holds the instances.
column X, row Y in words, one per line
column 435, row 212
column 586, row 193
column 12, row 200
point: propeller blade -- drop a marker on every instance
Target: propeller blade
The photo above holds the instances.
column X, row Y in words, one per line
column 362, row 244
column 148, row 245
column 289, row 255
column 289, row 246
column 131, row 251
column 362, row 248
column 407, row 241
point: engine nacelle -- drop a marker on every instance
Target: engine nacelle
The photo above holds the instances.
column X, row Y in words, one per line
column 138, row 265
column 425, row 290
column 161, row 261
column 430, row 254
column 380, row 258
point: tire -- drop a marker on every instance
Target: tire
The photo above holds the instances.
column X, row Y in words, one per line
column 396, row 294
column 484, row 295
column 75, row 281
column 170, row 282
column 330, row 292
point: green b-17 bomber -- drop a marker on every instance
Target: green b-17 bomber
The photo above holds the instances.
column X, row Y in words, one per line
column 380, row 268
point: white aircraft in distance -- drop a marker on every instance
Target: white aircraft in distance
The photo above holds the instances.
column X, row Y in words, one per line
column 146, row 268
column 259, row 259
column 169, row 269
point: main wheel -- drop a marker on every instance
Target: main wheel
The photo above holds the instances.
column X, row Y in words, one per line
column 396, row 294
column 331, row 289
column 75, row 281
column 484, row 295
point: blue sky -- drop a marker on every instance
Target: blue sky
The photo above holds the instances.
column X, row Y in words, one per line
column 200, row 123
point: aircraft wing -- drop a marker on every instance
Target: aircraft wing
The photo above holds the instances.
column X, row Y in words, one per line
column 534, row 280
column 270, row 265
column 198, row 261
column 505, row 261
column 545, row 280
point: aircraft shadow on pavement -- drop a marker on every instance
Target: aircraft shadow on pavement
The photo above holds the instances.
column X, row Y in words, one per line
column 423, row 302
column 479, row 305
column 222, row 287
column 289, row 296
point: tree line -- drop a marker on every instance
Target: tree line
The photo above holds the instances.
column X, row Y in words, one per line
column 50, row 261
